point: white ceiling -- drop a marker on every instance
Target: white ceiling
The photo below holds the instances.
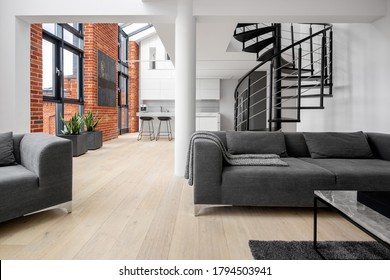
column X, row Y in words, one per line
column 217, row 19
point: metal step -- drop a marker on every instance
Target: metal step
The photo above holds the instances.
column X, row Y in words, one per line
column 302, row 107
column 247, row 35
column 291, row 70
column 240, row 25
column 290, row 120
column 303, row 96
column 304, row 78
column 256, row 47
column 305, row 86
column 266, row 55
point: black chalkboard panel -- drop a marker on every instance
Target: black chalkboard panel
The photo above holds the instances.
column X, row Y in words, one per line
column 106, row 80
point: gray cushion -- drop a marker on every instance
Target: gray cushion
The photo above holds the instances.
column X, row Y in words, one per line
column 357, row 174
column 251, row 142
column 379, row 143
column 338, row 145
column 6, row 149
column 18, row 188
column 296, row 144
column 275, row 186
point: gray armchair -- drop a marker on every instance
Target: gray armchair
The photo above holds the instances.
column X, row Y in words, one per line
column 41, row 177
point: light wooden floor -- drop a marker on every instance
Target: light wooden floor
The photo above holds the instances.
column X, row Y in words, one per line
column 129, row 205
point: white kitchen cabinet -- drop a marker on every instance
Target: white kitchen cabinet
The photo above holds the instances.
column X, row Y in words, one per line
column 157, row 89
column 209, row 122
column 207, row 89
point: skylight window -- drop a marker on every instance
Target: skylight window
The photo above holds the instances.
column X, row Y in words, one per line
column 137, row 31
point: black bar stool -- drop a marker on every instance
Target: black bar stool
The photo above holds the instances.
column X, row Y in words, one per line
column 168, row 132
column 149, row 132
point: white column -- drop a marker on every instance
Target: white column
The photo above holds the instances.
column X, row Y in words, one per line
column 185, row 65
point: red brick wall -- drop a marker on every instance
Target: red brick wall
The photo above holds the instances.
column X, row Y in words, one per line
column 36, row 102
column 133, row 86
column 103, row 37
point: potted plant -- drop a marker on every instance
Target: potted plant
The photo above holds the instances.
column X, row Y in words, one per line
column 95, row 137
column 72, row 131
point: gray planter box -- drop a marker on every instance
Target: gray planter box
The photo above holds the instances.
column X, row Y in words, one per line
column 95, row 139
column 79, row 143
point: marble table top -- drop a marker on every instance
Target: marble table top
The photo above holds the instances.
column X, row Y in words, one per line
column 346, row 202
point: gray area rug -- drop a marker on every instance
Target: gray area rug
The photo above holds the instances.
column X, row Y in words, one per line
column 331, row 250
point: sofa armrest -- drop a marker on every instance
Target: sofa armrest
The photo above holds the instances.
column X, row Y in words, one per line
column 379, row 143
column 50, row 158
column 208, row 166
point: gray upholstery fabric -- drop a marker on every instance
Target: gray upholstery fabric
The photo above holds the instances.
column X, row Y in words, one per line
column 254, row 142
column 17, row 138
column 218, row 183
column 43, row 179
column 296, row 144
column 338, row 145
column 208, row 165
column 17, row 186
column 357, row 174
column 380, row 145
column 274, row 186
column 6, row 149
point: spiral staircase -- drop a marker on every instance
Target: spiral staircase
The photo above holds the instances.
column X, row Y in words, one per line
column 294, row 73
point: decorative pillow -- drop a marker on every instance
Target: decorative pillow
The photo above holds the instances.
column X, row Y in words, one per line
column 338, row 145
column 6, row 149
column 255, row 142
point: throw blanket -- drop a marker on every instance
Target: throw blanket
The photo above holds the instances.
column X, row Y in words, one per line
column 241, row 159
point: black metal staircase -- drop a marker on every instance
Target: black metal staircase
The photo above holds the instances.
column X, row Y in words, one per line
column 297, row 60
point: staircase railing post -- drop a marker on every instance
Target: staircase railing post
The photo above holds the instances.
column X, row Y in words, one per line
column 326, row 57
column 331, row 62
column 299, row 82
column 248, row 102
column 322, row 70
column 235, row 109
column 311, row 51
column 270, row 109
column 292, row 42
column 278, row 73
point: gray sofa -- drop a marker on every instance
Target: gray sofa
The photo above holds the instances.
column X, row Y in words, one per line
column 35, row 174
column 316, row 161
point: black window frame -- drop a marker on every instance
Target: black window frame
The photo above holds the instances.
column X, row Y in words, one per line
column 59, row 90
column 123, row 128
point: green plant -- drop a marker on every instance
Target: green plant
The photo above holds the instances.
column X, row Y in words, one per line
column 73, row 126
column 90, row 121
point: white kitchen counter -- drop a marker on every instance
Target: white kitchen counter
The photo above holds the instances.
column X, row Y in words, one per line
column 172, row 114
column 155, row 114
column 204, row 120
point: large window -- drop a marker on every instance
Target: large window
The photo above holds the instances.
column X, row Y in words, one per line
column 62, row 54
column 123, row 80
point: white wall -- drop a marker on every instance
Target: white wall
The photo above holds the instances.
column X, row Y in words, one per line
column 159, row 82
column 15, row 17
column 226, row 104
column 361, row 81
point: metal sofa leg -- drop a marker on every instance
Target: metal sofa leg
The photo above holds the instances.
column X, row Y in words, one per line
column 66, row 205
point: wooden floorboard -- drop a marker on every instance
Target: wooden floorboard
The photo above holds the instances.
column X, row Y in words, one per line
column 127, row 204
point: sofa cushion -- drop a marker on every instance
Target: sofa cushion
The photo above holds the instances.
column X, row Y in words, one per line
column 255, row 142
column 296, row 144
column 18, row 187
column 16, row 175
column 275, row 186
column 6, row 149
column 357, row 174
column 338, row 145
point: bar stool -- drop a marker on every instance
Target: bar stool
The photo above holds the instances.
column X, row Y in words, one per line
column 149, row 132
column 168, row 132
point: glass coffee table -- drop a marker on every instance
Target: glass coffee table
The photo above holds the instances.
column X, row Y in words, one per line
column 347, row 205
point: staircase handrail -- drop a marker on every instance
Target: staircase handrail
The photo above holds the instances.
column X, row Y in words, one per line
column 279, row 53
